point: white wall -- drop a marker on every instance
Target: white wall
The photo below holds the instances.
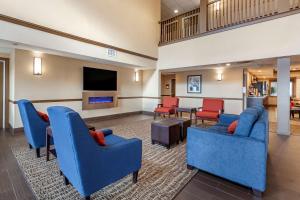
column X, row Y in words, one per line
column 151, row 89
column 62, row 79
column 269, row 39
column 131, row 24
column 230, row 87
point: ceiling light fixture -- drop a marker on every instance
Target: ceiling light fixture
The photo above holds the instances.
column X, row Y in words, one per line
column 176, row 11
column 228, row 64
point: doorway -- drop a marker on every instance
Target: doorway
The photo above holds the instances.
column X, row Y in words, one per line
column 4, row 73
column 173, row 87
column 168, row 85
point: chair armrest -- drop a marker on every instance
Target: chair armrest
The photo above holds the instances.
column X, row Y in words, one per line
column 107, row 132
column 228, row 118
column 199, row 108
column 159, row 105
column 127, row 153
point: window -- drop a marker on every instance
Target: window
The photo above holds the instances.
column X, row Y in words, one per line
column 274, row 89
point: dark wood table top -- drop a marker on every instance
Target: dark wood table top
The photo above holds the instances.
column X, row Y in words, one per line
column 183, row 109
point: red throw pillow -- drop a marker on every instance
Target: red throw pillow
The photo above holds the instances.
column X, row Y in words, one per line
column 44, row 116
column 98, row 137
column 231, row 128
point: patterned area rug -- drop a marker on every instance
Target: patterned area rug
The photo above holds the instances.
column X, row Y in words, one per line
column 162, row 176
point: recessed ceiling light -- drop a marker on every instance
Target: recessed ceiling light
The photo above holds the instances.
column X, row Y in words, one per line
column 259, row 71
column 228, row 64
column 176, row 11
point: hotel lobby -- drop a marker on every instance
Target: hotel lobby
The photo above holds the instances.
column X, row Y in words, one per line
column 166, row 99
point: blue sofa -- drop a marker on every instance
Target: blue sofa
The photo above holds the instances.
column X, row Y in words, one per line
column 241, row 157
column 34, row 126
column 88, row 166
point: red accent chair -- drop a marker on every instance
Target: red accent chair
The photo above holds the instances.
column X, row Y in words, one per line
column 168, row 106
column 211, row 110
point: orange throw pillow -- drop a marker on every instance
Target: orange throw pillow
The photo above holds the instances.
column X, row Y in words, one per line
column 98, row 137
column 44, row 116
column 231, row 128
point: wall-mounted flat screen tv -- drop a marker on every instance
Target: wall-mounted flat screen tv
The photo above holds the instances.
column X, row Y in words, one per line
column 99, row 79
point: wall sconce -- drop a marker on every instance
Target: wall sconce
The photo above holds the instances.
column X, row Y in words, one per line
column 220, row 77
column 167, row 86
column 136, row 76
column 37, row 66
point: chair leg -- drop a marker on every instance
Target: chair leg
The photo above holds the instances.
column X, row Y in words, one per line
column 87, row 197
column 30, row 147
column 135, row 177
column 47, row 147
column 66, row 180
column 257, row 193
column 190, row 167
column 60, row 173
column 154, row 115
column 37, row 151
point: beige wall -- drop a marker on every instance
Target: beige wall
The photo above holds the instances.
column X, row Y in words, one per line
column 62, row 79
column 275, row 38
column 131, row 24
column 230, row 87
column 298, row 88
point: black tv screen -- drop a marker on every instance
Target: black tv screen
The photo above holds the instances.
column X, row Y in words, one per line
column 99, row 79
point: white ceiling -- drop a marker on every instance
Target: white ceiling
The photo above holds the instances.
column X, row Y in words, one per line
column 168, row 7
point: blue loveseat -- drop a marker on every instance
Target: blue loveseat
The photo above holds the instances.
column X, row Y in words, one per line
column 86, row 165
column 241, row 157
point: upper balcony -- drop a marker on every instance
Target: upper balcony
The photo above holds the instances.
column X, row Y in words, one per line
column 220, row 15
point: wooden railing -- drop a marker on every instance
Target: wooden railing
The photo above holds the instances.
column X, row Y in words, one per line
column 181, row 26
column 219, row 14
column 223, row 13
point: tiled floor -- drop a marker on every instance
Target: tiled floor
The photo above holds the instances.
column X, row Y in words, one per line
column 283, row 171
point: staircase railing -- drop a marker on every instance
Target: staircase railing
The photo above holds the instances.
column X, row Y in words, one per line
column 219, row 14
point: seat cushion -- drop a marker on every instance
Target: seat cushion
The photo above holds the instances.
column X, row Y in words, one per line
column 113, row 139
column 164, row 110
column 207, row 115
column 219, row 128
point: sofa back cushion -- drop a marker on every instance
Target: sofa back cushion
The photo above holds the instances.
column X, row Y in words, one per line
column 213, row 105
column 261, row 128
column 246, row 122
column 259, row 108
column 169, row 102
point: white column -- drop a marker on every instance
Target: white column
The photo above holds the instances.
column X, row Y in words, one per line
column 283, row 95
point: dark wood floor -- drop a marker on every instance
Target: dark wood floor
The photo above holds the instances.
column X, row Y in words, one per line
column 283, row 172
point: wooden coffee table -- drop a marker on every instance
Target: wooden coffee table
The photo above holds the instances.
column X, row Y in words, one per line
column 48, row 139
column 191, row 111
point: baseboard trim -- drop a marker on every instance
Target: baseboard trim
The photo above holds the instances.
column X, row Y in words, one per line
column 114, row 116
column 15, row 130
column 148, row 113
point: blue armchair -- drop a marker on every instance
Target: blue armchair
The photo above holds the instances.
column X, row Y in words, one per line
column 88, row 166
column 34, row 126
column 241, row 157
